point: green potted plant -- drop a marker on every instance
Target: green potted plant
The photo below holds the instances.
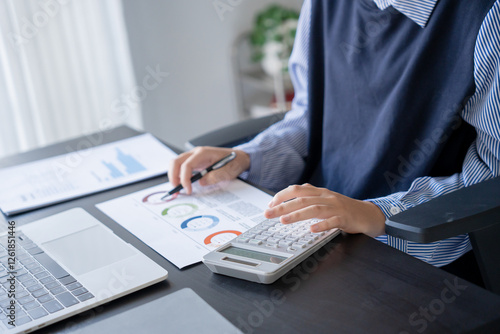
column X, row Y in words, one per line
column 272, row 42
column 272, row 38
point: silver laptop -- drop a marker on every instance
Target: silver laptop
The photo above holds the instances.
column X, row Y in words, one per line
column 66, row 264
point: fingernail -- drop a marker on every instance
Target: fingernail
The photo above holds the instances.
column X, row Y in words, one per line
column 269, row 213
column 314, row 228
column 285, row 219
column 270, row 203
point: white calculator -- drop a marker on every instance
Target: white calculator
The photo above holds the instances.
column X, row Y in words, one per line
column 267, row 251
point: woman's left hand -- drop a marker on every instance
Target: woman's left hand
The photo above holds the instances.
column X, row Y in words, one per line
column 297, row 203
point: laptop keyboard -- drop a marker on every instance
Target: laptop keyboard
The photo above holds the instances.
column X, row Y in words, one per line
column 42, row 286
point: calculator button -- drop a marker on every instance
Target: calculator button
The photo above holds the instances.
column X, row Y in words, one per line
column 261, row 237
column 298, row 245
column 242, row 240
column 273, row 229
column 280, row 235
column 285, row 243
column 291, row 249
column 304, row 241
column 273, row 240
column 255, row 242
column 249, row 235
column 267, row 233
column 272, row 245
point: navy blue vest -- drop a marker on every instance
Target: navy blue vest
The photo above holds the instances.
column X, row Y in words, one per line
column 385, row 94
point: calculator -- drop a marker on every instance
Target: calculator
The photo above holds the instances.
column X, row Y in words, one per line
column 267, row 251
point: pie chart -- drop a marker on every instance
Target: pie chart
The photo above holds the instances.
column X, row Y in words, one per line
column 180, row 210
column 220, row 238
column 155, row 198
column 200, row 223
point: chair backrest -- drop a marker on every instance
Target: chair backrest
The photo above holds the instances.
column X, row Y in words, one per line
column 235, row 134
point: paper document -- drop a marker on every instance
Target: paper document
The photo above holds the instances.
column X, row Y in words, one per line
column 184, row 228
column 48, row 181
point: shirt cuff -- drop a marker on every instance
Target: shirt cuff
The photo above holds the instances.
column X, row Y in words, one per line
column 390, row 206
column 253, row 173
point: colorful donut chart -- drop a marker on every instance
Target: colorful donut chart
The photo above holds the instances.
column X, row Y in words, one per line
column 155, row 198
column 219, row 238
column 180, row 210
column 200, row 223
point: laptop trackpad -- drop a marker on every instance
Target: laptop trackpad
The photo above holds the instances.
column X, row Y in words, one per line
column 89, row 249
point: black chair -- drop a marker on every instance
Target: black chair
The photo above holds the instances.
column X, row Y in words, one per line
column 235, row 134
column 474, row 210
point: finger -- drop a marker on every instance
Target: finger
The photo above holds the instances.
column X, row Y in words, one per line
column 228, row 172
column 319, row 211
column 185, row 177
column 175, row 167
column 293, row 192
column 294, row 205
column 313, row 211
column 328, row 224
column 198, row 160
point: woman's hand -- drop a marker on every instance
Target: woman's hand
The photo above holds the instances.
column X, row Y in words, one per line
column 181, row 168
column 297, row 203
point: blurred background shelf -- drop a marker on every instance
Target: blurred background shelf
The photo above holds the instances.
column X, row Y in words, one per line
column 255, row 89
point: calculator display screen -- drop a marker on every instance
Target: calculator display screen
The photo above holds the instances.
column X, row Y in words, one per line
column 253, row 255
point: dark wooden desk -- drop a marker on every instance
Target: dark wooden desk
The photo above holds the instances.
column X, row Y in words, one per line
column 352, row 285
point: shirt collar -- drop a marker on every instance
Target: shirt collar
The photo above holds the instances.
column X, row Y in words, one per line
column 419, row 11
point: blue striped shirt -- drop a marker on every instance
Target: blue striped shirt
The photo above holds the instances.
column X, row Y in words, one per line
column 277, row 154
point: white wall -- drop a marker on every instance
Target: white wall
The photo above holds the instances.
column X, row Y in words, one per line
column 191, row 41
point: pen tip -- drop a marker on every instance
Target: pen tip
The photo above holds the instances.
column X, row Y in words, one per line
column 166, row 197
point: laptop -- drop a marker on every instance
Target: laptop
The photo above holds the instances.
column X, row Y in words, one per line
column 66, row 264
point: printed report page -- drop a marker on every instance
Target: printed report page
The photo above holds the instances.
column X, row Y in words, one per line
column 48, row 181
column 183, row 228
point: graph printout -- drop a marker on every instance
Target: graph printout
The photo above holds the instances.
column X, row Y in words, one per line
column 78, row 173
column 183, row 228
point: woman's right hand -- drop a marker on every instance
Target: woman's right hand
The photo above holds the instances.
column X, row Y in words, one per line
column 199, row 158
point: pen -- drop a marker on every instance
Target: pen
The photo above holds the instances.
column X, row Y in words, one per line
column 221, row 163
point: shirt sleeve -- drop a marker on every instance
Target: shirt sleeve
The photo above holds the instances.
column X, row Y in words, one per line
column 482, row 161
column 277, row 154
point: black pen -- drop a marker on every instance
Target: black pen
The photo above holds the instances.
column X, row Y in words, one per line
column 221, row 163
